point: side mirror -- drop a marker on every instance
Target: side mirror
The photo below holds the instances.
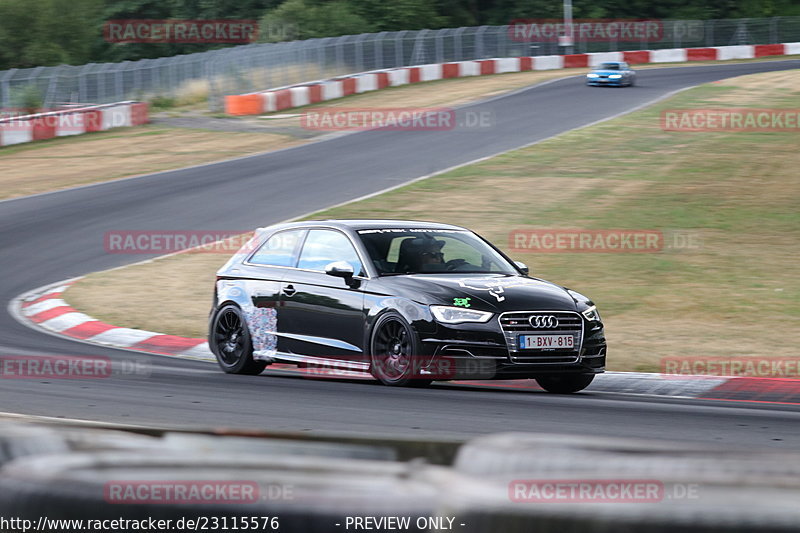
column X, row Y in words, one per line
column 522, row 267
column 340, row 269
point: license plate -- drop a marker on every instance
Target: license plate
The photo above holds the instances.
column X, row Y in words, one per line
column 546, row 342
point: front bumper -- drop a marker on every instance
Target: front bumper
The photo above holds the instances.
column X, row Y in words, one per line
column 598, row 82
column 489, row 351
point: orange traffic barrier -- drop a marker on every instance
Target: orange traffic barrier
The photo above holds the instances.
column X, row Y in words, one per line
column 244, row 104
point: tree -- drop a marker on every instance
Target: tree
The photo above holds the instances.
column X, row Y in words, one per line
column 45, row 33
column 400, row 14
column 309, row 19
column 51, row 32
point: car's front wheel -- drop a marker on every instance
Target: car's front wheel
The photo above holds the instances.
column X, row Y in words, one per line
column 230, row 342
column 564, row 383
column 394, row 352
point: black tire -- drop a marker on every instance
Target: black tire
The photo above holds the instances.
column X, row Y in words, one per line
column 565, row 383
column 394, row 352
column 230, row 342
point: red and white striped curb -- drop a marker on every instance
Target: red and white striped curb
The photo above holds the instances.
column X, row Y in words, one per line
column 27, row 128
column 315, row 92
column 46, row 309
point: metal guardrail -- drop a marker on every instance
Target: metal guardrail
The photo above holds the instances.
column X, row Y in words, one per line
column 264, row 66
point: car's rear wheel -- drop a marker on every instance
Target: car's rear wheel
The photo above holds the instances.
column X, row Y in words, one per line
column 230, row 342
column 394, row 351
column 565, row 383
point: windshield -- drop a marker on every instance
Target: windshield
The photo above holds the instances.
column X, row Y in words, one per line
column 609, row 66
column 431, row 251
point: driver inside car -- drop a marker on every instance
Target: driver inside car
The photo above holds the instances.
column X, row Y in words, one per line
column 432, row 255
column 424, row 254
column 421, row 254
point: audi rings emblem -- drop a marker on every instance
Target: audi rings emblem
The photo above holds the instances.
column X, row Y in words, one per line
column 543, row 322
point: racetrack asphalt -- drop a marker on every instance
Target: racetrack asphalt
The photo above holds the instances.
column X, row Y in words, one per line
column 51, row 237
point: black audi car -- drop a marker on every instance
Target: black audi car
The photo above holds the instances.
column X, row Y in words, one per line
column 409, row 302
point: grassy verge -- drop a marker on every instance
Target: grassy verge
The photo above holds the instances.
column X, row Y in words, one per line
column 734, row 294
column 96, row 157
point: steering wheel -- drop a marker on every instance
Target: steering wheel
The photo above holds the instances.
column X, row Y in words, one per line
column 454, row 264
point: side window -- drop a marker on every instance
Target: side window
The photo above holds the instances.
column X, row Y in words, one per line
column 279, row 250
column 326, row 246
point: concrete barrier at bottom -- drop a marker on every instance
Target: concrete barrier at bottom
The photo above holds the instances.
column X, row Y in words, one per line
column 513, row 482
column 21, row 440
column 584, row 483
column 212, row 445
column 303, row 494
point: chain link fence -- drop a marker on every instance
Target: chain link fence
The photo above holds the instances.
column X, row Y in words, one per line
column 255, row 67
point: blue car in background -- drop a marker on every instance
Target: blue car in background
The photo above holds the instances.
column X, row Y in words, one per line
column 613, row 73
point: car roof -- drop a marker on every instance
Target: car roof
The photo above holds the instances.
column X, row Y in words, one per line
column 359, row 224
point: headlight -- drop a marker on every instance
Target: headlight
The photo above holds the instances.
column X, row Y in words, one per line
column 592, row 76
column 458, row 315
column 591, row 314
column 615, row 76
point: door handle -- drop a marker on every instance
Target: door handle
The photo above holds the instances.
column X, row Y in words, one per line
column 289, row 290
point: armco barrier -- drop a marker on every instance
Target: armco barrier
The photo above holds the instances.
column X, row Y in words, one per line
column 27, row 128
column 311, row 93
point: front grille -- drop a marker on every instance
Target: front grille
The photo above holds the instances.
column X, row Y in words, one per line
column 516, row 323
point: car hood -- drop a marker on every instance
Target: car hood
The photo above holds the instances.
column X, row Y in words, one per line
column 489, row 292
